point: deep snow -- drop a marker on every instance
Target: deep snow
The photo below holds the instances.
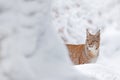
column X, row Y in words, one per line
column 72, row 17
column 30, row 48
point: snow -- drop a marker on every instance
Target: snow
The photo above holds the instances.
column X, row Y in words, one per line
column 30, row 48
column 72, row 17
column 99, row 71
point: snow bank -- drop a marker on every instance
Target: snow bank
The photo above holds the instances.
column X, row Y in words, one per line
column 72, row 17
column 30, row 48
column 99, row 71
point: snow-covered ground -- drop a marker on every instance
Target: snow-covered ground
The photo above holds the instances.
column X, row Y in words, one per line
column 31, row 50
column 72, row 17
column 101, row 72
column 29, row 47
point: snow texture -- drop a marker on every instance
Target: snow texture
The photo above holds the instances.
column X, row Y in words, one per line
column 72, row 17
column 30, row 47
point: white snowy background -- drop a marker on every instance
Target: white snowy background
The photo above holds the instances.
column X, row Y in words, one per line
column 72, row 17
column 30, row 49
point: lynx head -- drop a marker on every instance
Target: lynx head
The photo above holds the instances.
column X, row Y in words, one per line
column 93, row 41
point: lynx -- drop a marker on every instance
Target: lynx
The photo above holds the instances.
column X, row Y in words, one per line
column 85, row 53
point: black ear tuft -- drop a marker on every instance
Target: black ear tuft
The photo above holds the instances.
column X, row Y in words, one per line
column 98, row 33
column 87, row 32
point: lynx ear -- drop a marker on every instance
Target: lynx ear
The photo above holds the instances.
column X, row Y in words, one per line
column 87, row 32
column 98, row 33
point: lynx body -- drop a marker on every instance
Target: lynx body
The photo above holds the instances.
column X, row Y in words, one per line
column 85, row 53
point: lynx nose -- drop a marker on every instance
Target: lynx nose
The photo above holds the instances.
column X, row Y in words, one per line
column 91, row 45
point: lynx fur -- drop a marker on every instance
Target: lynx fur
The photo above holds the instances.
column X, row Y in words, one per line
column 85, row 53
